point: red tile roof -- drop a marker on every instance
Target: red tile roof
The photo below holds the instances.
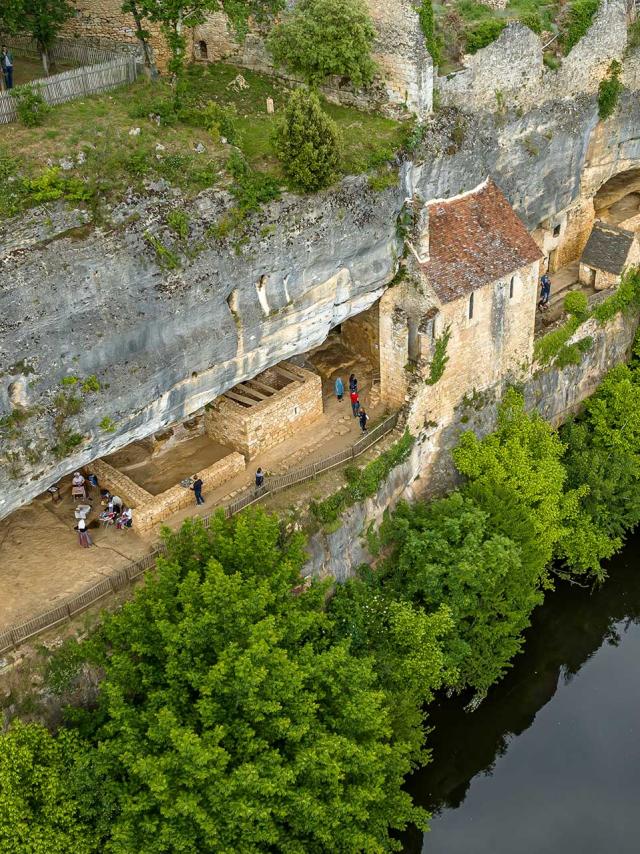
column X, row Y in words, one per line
column 473, row 240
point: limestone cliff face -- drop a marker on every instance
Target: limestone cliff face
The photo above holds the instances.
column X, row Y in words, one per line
column 78, row 300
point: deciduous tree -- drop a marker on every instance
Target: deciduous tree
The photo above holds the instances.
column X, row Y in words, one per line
column 43, row 20
column 319, row 38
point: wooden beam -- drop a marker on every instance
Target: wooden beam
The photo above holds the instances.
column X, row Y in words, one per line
column 240, row 399
column 286, row 373
column 264, row 386
column 246, row 388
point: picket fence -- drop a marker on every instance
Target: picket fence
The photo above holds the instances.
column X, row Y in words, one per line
column 101, row 70
column 122, row 578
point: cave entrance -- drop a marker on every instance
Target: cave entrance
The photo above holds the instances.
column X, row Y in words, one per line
column 618, row 200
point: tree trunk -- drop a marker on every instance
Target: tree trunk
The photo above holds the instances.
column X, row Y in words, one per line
column 44, row 53
column 141, row 35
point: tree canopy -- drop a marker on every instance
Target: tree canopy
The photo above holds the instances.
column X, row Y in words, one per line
column 319, row 38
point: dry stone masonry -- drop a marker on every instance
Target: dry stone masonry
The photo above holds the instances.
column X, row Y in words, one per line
column 165, row 344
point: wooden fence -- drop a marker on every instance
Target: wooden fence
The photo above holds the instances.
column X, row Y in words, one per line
column 122, row 578
column 101, row 70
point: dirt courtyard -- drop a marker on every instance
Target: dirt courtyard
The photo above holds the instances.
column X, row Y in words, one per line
column 41, row 561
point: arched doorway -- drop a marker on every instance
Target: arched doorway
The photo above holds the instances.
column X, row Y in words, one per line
column 618, row 200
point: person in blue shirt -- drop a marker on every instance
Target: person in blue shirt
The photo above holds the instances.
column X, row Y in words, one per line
column 339, row 388
column 545, row 291
column 6, row 62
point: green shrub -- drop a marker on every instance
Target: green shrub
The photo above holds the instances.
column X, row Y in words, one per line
column 547, row 348
column 221, row 121
column 609, row 91
column 625, row 299
column 178, row 221
column 633, row 35
column 483, row 33
column 577, row 305
column 251, row 189
column 579, row 18
column 166, row 258
column 362, row 483
column 533, row 21
column 320, row 38
column 31, row 107
column 51, row 185
column 91, row 384
column 571, row 354
column 440, row 358
column 67, row 441
column 108, row 425
column 67, row 381
column 428, row 27
column 551, row 60
column 308, row 143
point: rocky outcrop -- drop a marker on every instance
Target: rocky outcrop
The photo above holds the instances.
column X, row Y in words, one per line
column 166, row 324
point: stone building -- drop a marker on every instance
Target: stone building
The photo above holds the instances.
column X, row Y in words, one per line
column 474, row 279
column 608, row 252
column 405, row 78
column 267, row 410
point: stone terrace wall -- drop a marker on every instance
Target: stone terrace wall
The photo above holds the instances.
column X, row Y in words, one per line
column 171, row 500
column 513, row 66
column 406, row 69
column 119, row 484
column 104, row 21
column 272, row 421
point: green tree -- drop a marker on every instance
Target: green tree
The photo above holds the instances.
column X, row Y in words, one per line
column 176, row 16
column 319, row 38
column 406, row 646
column 603, row 452
column 230, row 721
column 307, row 142
column 40, row 812
column 517, row 475
column 136, row 9
column 43, row 20
column 446, row 552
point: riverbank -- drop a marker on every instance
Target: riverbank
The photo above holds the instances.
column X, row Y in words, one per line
column 550, row 758
column 217, row 690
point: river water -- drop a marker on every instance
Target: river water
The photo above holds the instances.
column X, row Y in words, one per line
column 550, row 762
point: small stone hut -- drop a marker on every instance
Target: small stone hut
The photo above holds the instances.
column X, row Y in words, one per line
column 609, row 250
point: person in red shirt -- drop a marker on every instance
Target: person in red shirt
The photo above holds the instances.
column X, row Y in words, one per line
column 355, row 403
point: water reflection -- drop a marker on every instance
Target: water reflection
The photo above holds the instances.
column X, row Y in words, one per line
column 550, row 762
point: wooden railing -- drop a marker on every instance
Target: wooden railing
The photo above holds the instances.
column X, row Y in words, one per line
column 122, row 578
column 101, row 70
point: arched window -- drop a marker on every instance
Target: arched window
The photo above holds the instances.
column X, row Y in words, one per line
column 202, row 47
column 471, row 307
column 511, row 286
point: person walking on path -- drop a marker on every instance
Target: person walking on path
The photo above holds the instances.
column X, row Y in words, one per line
column 197, row 489
column 363, row 418
column 83, row 535
column 259, row 479
column 6, row 61
column 353, row 383
column 339, row 388
column 355, row 403
column 545, row 291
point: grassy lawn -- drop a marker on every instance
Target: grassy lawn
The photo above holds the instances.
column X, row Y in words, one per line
column 94, row 136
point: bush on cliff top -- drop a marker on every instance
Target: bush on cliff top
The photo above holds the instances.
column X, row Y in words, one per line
column 321, row 38
column 308, row 143
column 577, row 19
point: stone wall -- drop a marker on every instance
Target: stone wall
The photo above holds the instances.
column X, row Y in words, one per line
column 254, row 429
column 104, row 20
column 510, row 72
column 120, row 484
column 429, row 472
column 161, row 506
